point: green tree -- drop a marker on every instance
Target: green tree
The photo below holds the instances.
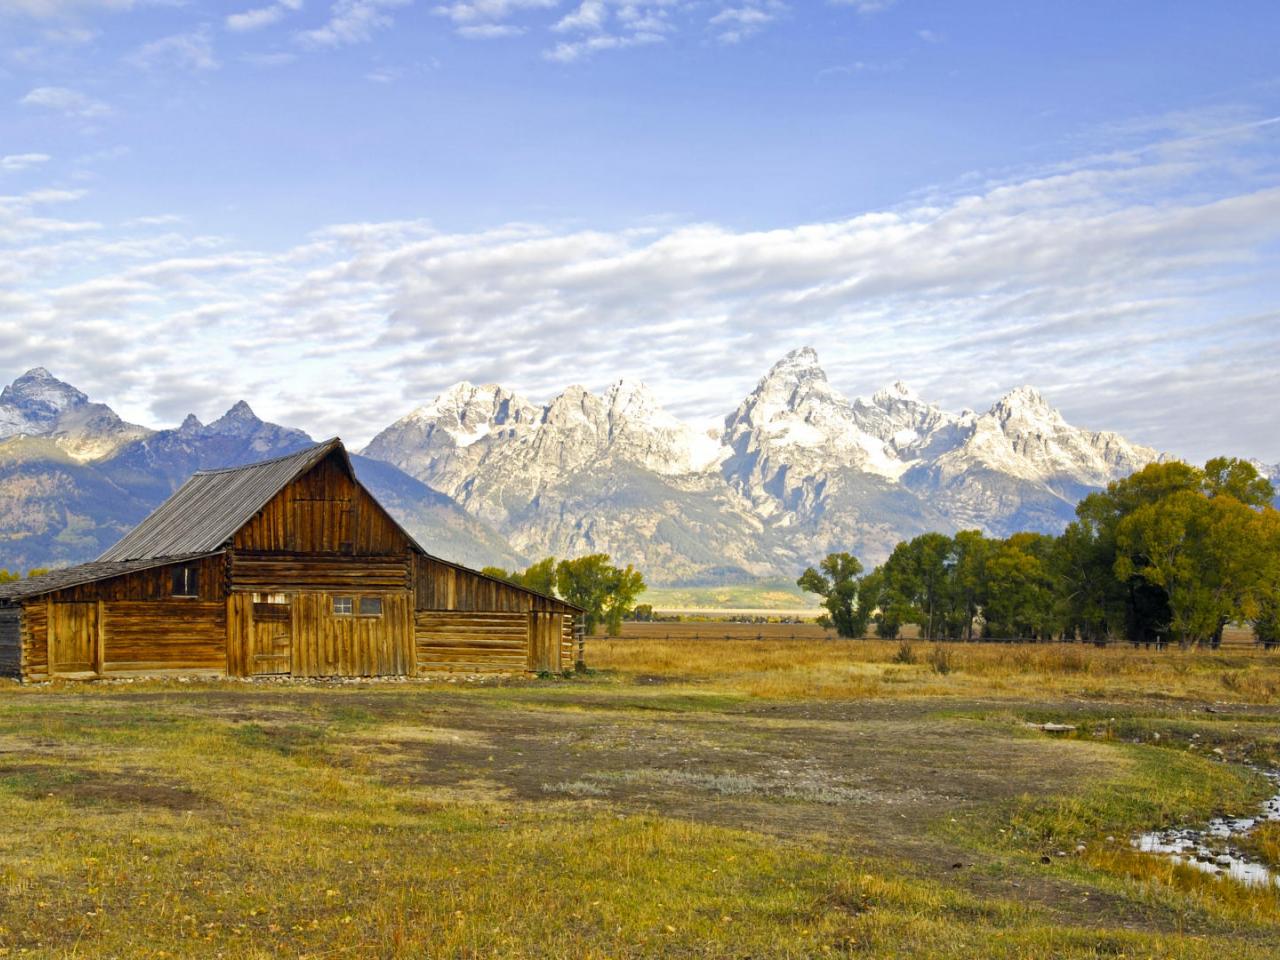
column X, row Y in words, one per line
column 1205, row 552
column 837, row 584
column 1019, row 595
column 1239, row 479
column 541, row 577
column 606, row 592
column 968, row 581
column 916, row 583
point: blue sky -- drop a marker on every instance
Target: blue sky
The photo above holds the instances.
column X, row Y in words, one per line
column 337, row 209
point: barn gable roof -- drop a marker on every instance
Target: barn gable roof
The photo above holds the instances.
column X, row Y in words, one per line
column 66, row 577
column 212, row 505
column 202, row 516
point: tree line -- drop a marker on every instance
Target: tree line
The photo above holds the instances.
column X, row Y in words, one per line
column 1171, row 553
column 604, row 590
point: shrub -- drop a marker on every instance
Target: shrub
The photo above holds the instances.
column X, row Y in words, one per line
column 940, row 659
column 905, row 653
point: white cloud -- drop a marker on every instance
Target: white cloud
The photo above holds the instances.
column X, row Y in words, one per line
column 735, row 24
column 66, row 101
column 864, row 6
column 259, row 17
column 17, row 162
column 567, row 51
column 352, row 21
column 489, row 31
column 612, row 25
column 182, row 51
column 53, row 9
column 489, row 11
column 590, row 16
column 1103, row 283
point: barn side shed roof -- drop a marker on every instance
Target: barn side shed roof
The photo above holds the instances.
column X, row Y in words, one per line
column 65, row 577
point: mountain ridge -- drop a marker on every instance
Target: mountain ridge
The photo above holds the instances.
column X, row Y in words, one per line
column 794, row 470
column 797, row 469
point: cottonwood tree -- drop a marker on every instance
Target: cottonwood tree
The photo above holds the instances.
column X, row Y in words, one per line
column 606, row 592
column 837, row 584
column 539, row 577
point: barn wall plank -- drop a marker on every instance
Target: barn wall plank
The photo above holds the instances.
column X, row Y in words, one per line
column 10, row 642
column 164, row 634
column 471, row 641
column 153, row 584
column 34, row 631
column 283, row 573
column 326, row 644
column 443, row 586
column 324, row 511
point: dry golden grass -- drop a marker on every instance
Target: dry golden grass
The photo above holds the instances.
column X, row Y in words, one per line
column 842, row 669
column 603, row 816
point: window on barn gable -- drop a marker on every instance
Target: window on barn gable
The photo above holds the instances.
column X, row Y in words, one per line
column 186, row 581
column 370, row 606
column 342, row 606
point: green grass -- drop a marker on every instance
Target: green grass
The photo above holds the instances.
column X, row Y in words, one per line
column 243, row 821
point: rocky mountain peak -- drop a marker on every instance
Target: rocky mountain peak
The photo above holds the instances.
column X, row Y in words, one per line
column 239, row 418
column 796, row 369
column 40, row 396
column 38, row 404
column 896, row 392
column 1024, row 399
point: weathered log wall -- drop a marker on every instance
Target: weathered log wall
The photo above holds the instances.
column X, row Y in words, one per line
column 568, row 650
column 323, row 511
column 439, row 585
column 469, row 641
column 164, row 636
column 325, row 645
column 35, row 640
column 10, row 642
column 74, row 638
column 546, row 631
column 277, row 573
column 153, row 584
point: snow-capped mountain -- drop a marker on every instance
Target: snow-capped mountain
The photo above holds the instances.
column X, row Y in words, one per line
column 74, row 477
column 37, row 404
column 483, row 475
column 796, row 470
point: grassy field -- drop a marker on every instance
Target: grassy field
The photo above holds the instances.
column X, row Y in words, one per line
column 716, row 798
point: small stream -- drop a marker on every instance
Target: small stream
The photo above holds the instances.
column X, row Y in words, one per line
column 1210, row 849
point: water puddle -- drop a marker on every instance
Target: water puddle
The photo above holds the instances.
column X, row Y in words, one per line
column 1210, row 849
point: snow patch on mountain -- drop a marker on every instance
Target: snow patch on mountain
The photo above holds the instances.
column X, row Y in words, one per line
column 38, row 404
column 795, row 469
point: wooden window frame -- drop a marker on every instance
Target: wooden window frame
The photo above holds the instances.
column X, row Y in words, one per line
column 351, row 605
column 190, row 577
column 370, row 616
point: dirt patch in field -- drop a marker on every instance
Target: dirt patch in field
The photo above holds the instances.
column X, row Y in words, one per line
column 859, row 778
column 80, row 787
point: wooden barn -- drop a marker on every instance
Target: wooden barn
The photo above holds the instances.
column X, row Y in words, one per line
column 288, row 567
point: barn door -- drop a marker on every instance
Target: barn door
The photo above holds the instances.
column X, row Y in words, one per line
column 73, row 639
column 544, row 642
column 271, row 652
